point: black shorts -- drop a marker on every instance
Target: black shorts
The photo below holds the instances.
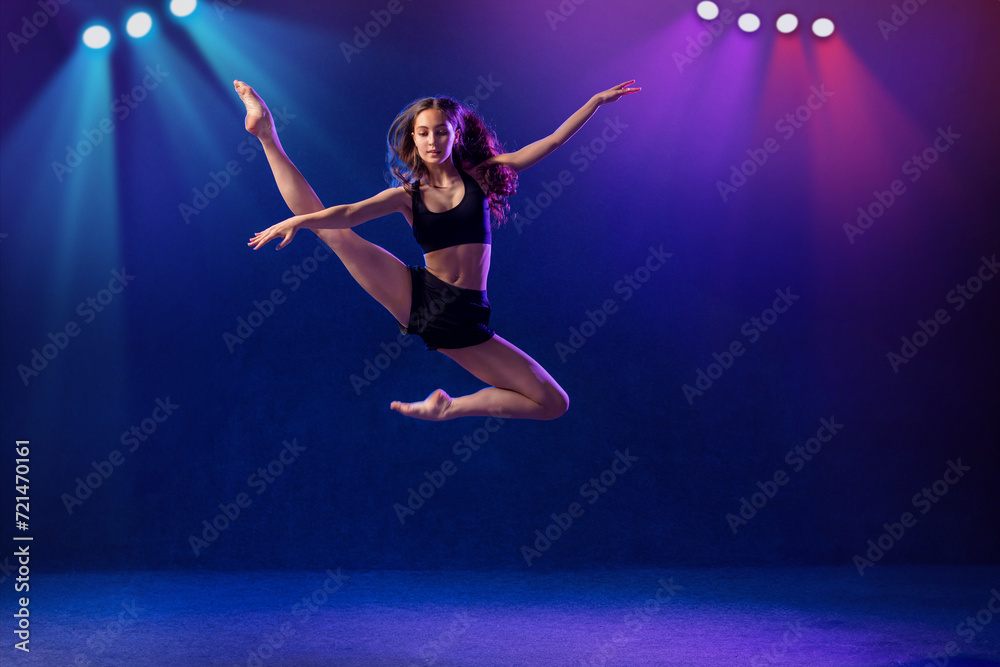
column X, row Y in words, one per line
column 446, row 316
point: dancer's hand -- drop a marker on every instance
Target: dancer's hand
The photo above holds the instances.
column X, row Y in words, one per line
column 285, row 230
column 616, row 93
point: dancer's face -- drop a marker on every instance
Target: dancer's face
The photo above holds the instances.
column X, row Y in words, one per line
column 434, row 136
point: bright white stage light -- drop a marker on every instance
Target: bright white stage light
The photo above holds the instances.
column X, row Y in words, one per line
column 708, row 10
column 749, row 22
column 139, row 24
column 97, row 36
column 182, row 7
column 787, row 23
column 823, row 27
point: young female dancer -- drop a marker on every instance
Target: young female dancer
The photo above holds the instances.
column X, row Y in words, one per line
column 450, row 175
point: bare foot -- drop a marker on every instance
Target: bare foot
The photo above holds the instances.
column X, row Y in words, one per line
column 258, row 121
column 432, row 408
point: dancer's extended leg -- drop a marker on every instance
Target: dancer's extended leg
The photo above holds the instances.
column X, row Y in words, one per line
column 378, row 271
column 521, row 389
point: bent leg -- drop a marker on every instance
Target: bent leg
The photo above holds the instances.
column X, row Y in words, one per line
column 521, row 389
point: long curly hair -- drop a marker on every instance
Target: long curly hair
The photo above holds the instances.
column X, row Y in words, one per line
column 476, row 142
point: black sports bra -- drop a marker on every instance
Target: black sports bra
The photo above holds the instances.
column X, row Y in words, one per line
column 469, row 222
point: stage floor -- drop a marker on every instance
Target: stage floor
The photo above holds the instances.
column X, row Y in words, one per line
column 768, row 616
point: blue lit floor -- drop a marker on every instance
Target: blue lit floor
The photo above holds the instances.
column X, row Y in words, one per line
column 768, row 616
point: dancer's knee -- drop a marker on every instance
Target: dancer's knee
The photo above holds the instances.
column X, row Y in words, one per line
column 556, row 402
column 337, row 239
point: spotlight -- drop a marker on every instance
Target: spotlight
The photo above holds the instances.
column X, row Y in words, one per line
column 96, row 37
column 182, row 7
column 708, row 10
column 139, row 24
column 822, row 27
column 749, row 23
column 787, row 23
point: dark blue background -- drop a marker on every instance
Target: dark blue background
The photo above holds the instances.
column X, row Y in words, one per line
column 654, row 185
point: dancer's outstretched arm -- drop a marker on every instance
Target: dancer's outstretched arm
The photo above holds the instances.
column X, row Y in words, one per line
column 294, row 188
column 531, row 154
column 343, row 216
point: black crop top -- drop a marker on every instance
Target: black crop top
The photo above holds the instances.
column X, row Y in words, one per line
column 469, row 222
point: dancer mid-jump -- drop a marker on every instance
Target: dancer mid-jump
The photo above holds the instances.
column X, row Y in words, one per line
column 451, row 175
